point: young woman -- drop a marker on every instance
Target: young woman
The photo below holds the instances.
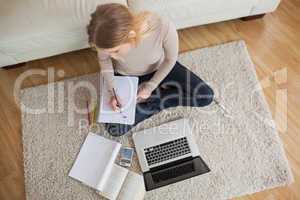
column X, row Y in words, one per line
column 143, row 45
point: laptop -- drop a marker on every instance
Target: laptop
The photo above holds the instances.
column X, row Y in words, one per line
column 168, row 154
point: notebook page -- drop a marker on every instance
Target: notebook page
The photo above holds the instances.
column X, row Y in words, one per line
column 114, row 183
column 95, row 154
column 133, row 187
column 109, row 168
column 126, row 89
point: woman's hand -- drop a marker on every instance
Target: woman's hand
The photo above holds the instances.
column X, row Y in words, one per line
column 143, row 93
column 114, row 103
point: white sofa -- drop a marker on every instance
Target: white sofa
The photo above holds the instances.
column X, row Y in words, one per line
column 33, row 29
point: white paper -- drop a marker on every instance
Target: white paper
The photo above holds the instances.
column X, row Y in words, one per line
column 114, row 183
column 96, row 154
column 133, row 187
column 108, row 169
column 126, row 90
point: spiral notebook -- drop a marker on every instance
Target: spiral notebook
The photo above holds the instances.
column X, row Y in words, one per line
column 126, row 88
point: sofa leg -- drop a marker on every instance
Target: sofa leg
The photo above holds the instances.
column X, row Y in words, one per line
column 253, row 17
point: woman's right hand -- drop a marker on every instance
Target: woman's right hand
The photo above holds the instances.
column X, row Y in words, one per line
column 114, row 103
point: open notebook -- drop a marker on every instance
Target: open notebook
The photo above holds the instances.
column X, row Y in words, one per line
column 126, row 89
column 95, row 166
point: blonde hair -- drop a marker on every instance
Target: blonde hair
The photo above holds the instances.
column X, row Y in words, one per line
column 111, row 24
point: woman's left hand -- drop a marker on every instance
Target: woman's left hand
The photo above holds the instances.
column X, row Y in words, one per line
column 143, row 93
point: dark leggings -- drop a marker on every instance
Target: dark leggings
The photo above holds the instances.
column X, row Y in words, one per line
column 181, row 87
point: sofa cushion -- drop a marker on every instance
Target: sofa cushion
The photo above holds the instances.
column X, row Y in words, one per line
column 195, row 12
column 33, row 29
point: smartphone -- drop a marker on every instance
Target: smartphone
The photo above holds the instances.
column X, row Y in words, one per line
column 126, row 154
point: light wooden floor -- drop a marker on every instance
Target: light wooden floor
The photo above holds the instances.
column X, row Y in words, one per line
column 273, row 42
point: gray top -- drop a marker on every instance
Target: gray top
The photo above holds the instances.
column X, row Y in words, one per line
column 157, row 51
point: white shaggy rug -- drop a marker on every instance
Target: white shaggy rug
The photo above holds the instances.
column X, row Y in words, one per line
column 236, row 137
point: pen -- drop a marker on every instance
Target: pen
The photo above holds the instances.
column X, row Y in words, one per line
column 88, row 113
column 115, row 95
column 118, row 103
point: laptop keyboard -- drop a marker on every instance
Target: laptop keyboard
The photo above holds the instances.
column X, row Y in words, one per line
column 167, row 151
